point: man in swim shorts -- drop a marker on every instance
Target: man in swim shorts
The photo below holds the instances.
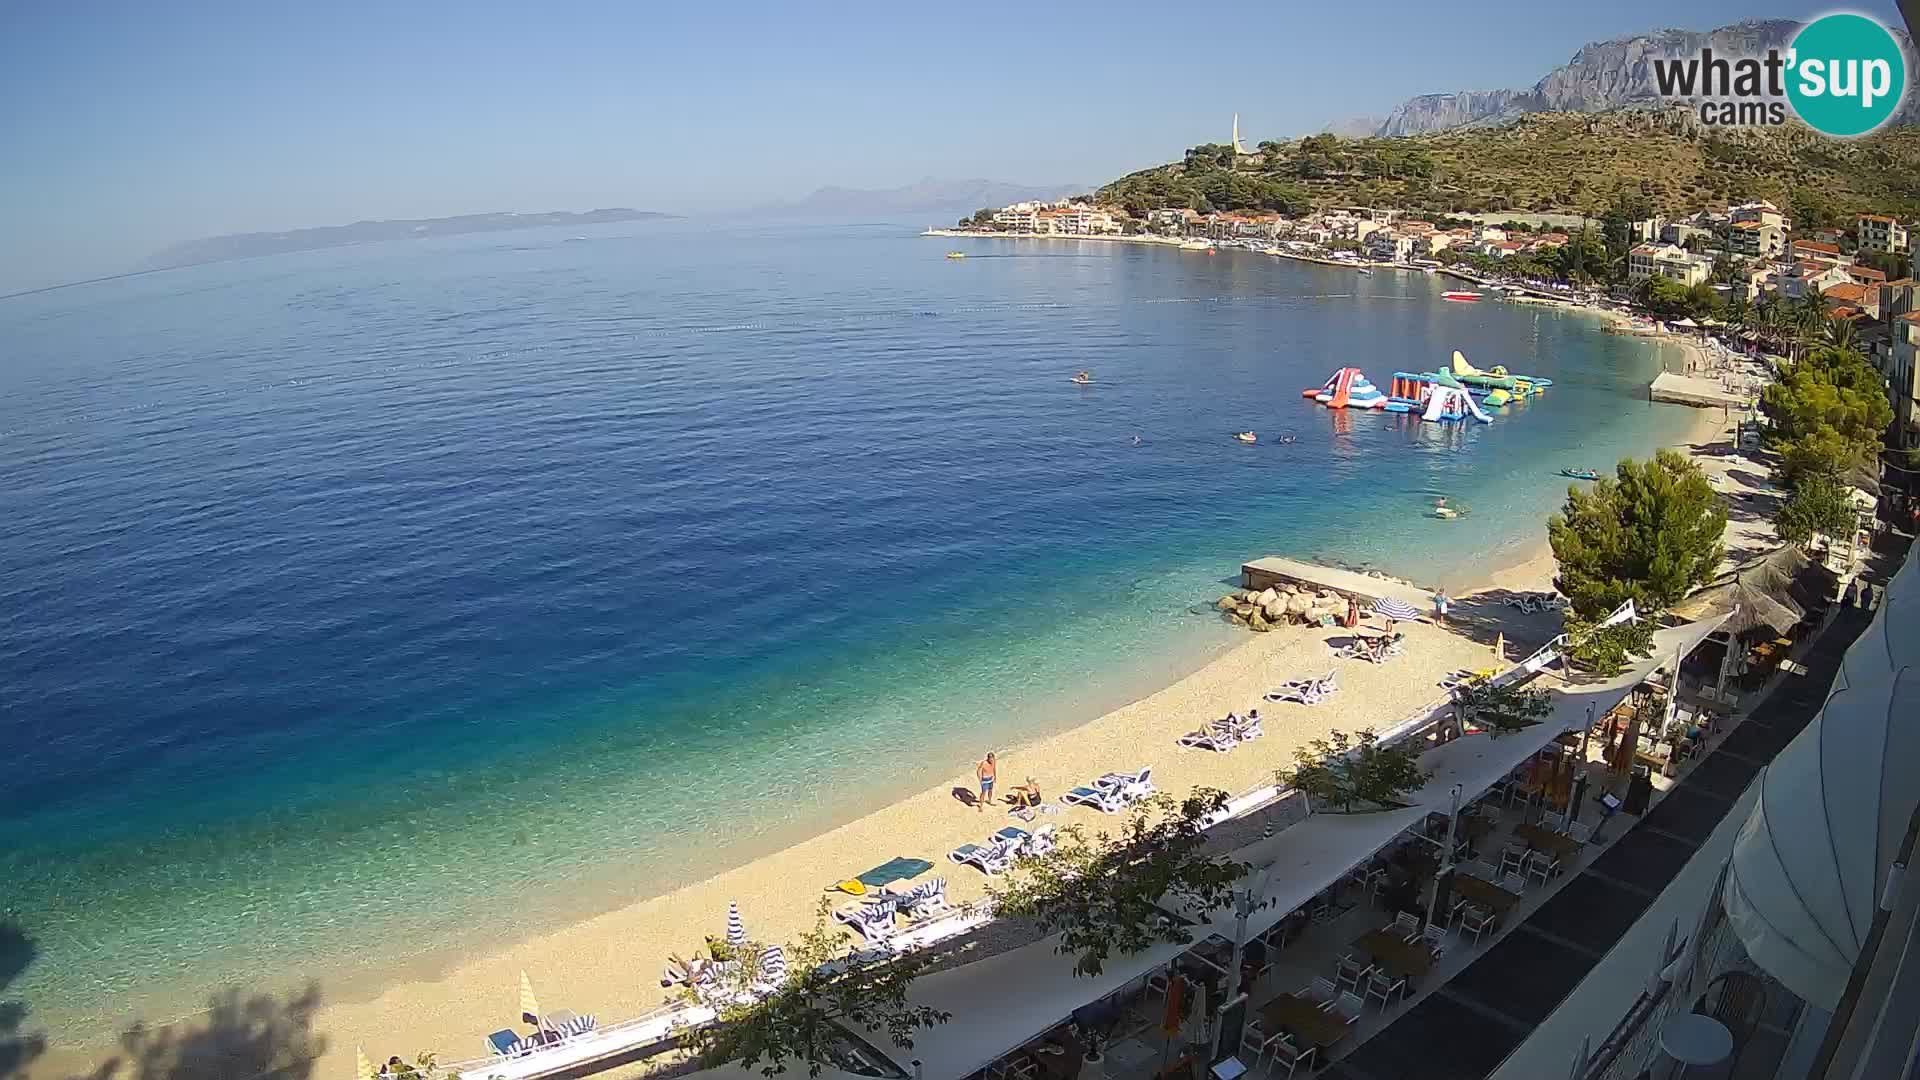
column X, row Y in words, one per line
column 987, row 771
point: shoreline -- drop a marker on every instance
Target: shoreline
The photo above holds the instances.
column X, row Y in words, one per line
column 608, row 963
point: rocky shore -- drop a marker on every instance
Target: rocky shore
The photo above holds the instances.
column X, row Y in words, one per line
column 1263, row 609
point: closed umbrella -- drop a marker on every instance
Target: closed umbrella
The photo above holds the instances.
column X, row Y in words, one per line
column 529, row 1007
column 736, row 929
column 362, row 1068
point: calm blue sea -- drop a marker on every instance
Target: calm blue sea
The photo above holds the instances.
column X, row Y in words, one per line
column 364, row 604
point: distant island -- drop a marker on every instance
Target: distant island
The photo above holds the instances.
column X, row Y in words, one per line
column 247, row 245
column 929, row 195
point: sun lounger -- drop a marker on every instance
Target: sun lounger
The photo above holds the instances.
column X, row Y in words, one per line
column 926, row 899
column 1249, row 727
column 1041, row 842
column 990, row 858
column 1107, row 802
column 1208, row 738
column 874, row 921
column 1311, row 692
column 507, row 1044
column 1307, row 691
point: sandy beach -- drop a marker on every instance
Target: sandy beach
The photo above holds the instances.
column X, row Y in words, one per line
column 610, row 965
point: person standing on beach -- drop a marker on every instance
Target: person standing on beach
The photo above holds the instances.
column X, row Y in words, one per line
column 1440, row 602
column 987, row 771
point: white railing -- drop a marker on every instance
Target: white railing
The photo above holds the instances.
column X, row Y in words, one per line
column 622, row 1037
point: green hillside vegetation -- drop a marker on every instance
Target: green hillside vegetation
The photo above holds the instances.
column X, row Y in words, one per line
column 1565, row 162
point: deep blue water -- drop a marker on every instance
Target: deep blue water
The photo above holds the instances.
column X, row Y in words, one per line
column 518, row 568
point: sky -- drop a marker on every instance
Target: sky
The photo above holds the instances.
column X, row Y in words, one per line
column 125, row 127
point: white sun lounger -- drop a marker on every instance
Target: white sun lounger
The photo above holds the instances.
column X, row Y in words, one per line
column 1311, row 692
column 992, row 857
column 1216, row 736
column 1107, row 802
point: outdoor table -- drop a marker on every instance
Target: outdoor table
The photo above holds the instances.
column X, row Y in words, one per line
column 1485, row 893
column 1541, row 838
column 1310, row 1023
column 1216, row 953
column 1392, row 952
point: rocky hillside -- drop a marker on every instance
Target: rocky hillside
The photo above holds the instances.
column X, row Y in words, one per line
column 1553, row 161
column 1603, row 75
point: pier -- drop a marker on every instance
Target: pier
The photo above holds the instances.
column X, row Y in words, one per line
column 1701, row 393
column 1274, row 570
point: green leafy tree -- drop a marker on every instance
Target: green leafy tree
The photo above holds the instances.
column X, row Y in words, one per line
column 1827, row 414
column 1650, row 534
column 804, row 1018
column 1606, row 650
column 1346, row 771
column 982, row 217
column 1503, row 707
column 1818, row 503
column 1107, row 894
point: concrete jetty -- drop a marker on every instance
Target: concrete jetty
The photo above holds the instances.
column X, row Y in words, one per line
column 1274, row 571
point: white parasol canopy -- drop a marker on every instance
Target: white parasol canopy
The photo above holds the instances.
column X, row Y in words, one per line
column 1812, row 859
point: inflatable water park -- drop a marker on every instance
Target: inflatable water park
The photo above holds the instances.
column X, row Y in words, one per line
column 1450, row 395
column 1347, row 389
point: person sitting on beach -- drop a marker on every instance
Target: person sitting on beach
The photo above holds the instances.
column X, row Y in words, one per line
column 1024, row 796
column 987, row 771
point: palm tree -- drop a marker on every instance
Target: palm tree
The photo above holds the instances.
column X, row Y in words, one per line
column 1839, row 334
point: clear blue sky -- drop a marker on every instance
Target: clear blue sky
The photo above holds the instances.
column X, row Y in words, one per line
column 127, row 126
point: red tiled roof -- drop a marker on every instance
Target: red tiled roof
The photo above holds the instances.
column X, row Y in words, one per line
column 1844, row 312
column 1815, row 245
column 1876, row 217
column 1866, row 273
column 1845, row 291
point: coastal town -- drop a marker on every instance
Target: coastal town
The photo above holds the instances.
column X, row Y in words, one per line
column 1722, row 269
column 1039, row 651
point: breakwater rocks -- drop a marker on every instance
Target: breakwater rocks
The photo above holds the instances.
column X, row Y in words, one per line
column 1263, row 609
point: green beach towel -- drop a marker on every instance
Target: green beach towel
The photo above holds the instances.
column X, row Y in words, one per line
column 898, row 868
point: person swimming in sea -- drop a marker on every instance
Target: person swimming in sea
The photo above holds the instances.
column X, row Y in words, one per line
column 1136, row 440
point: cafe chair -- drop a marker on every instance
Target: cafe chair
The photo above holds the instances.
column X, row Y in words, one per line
column 1322, row 992
column 1284, row 1056
column 1349, row 1008
column 1483, row 870
column 1476, row 921
column 1259, row 1042
column 1544, row 867
column 1581, row 832
column 1348, row 974
column 1436, row 936
column 1406, row 926
column 1514, row 884
column 1384, row 986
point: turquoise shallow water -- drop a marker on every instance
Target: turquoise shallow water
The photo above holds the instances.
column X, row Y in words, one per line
column 374, row 603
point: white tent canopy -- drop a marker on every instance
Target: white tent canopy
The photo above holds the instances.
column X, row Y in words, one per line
column 1812, row 859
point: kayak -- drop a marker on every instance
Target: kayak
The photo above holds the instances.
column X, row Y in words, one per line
column 1580, row 474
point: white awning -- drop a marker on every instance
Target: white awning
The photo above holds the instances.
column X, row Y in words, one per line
column 1813, row 856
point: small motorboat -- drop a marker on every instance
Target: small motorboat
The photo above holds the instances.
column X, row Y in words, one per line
column 1246, row 436
column 1364, row 270
column 1445, row 513
column 1580, row 474
column 1464, row 296
column 956, row 254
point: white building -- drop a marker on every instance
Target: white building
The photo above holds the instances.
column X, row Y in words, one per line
column 1668, row 261
column 1877, row 232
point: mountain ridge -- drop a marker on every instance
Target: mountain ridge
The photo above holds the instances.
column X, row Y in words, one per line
column 1603, row 76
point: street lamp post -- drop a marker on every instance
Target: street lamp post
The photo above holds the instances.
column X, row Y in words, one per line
column 1446, row 855
column 1245, row 903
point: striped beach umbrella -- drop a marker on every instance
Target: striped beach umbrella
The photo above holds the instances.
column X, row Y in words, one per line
column 1395, row 608
column 736, row 930
column 529, row 1005
column 362, row 1068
